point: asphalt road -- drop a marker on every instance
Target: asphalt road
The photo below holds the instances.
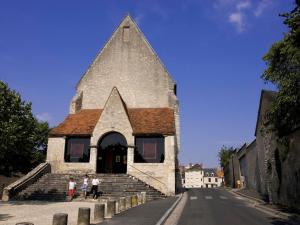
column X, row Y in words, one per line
column 219, row 207
column 148, row 214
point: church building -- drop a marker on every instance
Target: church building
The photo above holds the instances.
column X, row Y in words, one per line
column 124, row 117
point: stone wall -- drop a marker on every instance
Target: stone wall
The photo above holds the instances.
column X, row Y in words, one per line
column 289, row 192
column 55, row 156
column 232, row 171
column 273, row 168
column 253, row 172
column 264, row 142
column 159, row 175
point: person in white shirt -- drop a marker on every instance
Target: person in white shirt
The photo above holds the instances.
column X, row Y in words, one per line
column 94, row 190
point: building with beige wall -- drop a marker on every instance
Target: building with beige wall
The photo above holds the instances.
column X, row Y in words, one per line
column 124, row 117
column 211, row 178
column 198, row 177
column 194, row 177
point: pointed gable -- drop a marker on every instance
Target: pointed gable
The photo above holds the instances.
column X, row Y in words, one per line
column 128, row 62
column 114, row 115
column 125, row 28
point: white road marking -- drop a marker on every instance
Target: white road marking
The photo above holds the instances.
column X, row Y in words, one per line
column 239, row 198
column 193, row 197
column 223, row 197
column 208, row 197
column 169, row 211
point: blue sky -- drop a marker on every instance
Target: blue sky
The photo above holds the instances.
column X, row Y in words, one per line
column 212, row 48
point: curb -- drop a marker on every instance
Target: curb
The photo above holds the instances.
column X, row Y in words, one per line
column 249, row 197
column 169, row 211
column 260, row 204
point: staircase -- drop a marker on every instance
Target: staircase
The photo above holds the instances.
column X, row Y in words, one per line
column 53, row 187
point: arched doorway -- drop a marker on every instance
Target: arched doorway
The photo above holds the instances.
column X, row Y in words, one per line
column 112, row 154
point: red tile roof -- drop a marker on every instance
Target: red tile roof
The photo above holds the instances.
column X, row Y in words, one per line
column 143, row 120
column 152, row 120
column 80, row 123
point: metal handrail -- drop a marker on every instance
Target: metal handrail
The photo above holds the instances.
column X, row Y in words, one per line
column 149, row 175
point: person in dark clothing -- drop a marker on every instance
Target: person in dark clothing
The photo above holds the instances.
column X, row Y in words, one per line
column 94, row 190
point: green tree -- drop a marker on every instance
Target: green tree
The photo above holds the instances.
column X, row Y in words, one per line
column 22, row 137
column 283, row 70
column 225, row 155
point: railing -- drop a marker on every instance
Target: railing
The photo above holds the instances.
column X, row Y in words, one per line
column 148, row 175
column 25, row 181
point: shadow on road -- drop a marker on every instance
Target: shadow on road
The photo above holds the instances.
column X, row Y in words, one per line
column 290, row 221
column 4, row 217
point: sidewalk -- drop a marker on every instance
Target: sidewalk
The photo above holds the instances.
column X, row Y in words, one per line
column 259, row 203
column 251, row 194
column 148, row 214
column 41, row 213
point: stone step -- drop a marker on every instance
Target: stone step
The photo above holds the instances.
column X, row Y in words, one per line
column 54, row 187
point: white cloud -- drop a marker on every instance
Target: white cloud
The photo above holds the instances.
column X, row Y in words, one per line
column 238, row 19
column 243, row 5
column 44, row 116
column 261, row 7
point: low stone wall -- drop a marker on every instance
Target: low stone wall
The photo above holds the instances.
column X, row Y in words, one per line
column 25, row 181
column 157, row 175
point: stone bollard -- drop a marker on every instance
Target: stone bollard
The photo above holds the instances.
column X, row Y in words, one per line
column 84, row 216
column 24, row 223
column 139, row 198
column 143, row 193
column 110, row 209
column 133, row 201
column 128, row 202
column 99, row 212
column 122, row 204
column 117, row 205
column 60, row 219
column 104, row 201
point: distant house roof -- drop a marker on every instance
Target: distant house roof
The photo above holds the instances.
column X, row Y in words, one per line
column 210, row 172
column 196, row 167
column 143, row 120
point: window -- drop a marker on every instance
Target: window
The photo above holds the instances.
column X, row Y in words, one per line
column 209, row 180
column 126, row 33
column 77, row 149
column 149, row 150
column 175, row 89
column 216, row 180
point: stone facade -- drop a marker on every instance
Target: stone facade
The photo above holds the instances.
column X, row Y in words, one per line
column 127, row 62
column 126, row 74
